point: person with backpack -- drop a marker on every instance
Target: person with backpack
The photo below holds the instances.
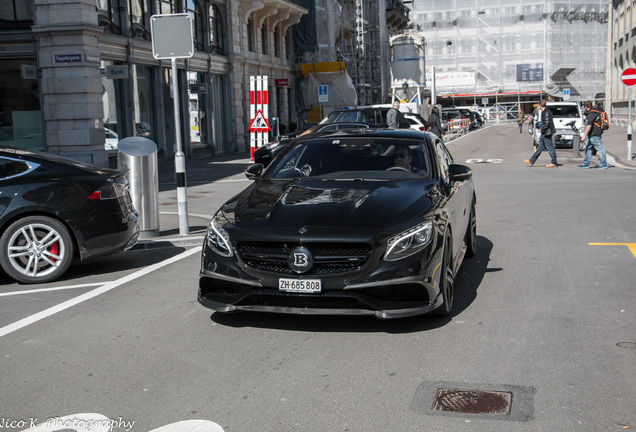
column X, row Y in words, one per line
column 594, row 123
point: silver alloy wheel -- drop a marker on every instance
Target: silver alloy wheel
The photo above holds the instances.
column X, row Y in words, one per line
column 36, row 249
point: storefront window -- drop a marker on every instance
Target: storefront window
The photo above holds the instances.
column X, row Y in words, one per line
column 196, row 100
column 111, row 100
column 20, row 115
column 143, row 102
column 219, row 119
column 16, row 14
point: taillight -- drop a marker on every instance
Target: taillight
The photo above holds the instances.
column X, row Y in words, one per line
column 112, row 191
column 422, row 128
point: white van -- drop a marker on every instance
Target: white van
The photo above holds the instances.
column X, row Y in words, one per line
column 563, row 113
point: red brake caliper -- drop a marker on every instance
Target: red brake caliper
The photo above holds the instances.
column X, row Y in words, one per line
column 54, row 249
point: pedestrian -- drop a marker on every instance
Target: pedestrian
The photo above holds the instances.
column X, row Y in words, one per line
column 592, row 136
column 521, row 118
column 392, row 115
column 434, row 123
column 545, row 142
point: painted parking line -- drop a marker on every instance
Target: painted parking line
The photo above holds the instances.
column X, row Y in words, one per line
column 41, row 290
column 107, row 286
column 630, row 246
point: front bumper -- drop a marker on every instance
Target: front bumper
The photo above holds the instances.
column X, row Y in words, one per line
column 405, row 288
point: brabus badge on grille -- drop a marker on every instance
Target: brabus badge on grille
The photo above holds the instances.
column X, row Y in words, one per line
column 300, row 259
column 302, row 230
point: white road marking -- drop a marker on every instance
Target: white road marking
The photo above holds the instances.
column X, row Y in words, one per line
column 39, row 290
column 94, row 293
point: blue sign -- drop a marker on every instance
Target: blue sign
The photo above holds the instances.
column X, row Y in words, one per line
column 323, row 93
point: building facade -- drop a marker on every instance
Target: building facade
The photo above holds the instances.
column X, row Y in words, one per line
column 621, row 55
column 510, row 52
column 78, row 75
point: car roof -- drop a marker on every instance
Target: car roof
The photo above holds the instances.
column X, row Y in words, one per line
column 370, row 132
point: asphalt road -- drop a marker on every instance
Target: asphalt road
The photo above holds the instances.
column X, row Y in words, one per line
column 543, row 316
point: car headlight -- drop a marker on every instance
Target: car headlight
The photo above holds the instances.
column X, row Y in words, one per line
column 219, row 239
column 409, row 242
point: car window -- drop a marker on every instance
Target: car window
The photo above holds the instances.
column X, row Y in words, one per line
column 354, row 157
column 445, row 160
column 348, row 116
column 12, row 167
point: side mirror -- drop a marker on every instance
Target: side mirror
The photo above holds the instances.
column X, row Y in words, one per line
column 459, row 172
column 253, row 171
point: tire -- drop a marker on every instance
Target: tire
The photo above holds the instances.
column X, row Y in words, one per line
column 447, row 282
column 26, row 260
column 471, row 233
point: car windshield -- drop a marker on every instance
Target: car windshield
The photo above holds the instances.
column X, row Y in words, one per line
column 564, row 111
column 369, row 158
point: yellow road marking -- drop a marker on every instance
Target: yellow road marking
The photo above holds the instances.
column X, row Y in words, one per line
column 630, row 246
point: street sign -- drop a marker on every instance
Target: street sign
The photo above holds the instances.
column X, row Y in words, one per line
column 566, row 94
column 259, row 123
column 629, row 77
column 323, row 93
column 172, row 36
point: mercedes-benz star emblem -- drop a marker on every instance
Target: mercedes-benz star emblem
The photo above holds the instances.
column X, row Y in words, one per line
column 302, row 230
column 300, row 259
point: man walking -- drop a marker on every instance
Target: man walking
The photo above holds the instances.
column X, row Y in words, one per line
column 545, row 141
column 594, row 131
column 392, row 115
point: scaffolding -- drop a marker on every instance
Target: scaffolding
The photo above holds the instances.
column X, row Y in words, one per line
column 516, row 50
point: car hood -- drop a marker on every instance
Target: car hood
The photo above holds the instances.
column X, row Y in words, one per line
column 286, row 206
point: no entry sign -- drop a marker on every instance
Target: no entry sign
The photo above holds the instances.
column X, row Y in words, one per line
column 629, row 77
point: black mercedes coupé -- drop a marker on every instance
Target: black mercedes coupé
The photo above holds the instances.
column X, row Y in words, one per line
column 358, row 222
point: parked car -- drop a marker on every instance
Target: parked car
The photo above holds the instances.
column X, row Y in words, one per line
column 454, row 121
column 333, row 226
column 417, row 121
column 562, row 113
column 265, row 154
column 479, row 121
column 55, row 210
column 112, row 139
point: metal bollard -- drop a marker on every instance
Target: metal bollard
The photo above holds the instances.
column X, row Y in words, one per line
column 139, row 156
column 576, row 144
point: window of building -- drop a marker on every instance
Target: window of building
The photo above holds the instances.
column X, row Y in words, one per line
column 139, row 18
column 143, row 102
column 193, row 8
column 217, row 31
column 108, row 17
column 265, row 38
column 250, row 35
column 16, row 14
column 277, row 41
column 167, row 7
column 196, row 102
column 112, row 103
column 20, row 114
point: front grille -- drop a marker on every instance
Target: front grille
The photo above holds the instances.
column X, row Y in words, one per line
column 329, row 258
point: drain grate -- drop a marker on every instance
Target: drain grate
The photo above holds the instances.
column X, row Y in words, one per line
column 472, row 401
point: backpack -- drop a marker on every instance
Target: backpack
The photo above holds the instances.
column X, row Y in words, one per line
column 601, row 120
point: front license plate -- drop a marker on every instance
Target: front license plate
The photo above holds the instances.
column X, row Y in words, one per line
column 300, row 285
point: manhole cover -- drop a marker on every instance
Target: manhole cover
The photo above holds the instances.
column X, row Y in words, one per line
column 472, row 401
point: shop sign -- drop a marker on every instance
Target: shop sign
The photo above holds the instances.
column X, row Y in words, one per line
column 117, row 72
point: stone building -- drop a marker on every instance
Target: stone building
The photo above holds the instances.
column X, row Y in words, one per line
column 79, row 75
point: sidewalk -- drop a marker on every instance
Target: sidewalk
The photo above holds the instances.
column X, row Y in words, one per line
column 615, row 143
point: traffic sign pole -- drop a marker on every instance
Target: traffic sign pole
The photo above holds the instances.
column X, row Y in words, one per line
column 629, row 79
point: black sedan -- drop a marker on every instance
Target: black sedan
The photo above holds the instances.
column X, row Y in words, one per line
column 372, row 222
column 55, row 210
